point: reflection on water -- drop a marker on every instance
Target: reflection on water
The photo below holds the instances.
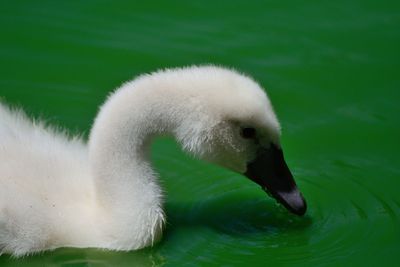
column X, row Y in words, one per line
column 87, row 257
column 236, row 223
column 236, row 214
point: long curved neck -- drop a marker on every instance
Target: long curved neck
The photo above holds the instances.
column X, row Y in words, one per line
column 119, row 150
column 126, row 186
column 120, row 140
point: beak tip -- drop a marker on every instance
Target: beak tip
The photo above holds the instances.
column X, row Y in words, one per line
column 301, row 208
column 293, row 201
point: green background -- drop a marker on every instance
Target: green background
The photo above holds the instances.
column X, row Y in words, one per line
column 331, row 69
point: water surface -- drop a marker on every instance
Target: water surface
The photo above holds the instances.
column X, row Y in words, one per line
column 331, row 69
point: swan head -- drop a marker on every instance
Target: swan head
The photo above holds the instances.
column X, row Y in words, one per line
column 232, row 123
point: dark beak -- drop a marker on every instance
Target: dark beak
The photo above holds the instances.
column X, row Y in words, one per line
column 270, row 171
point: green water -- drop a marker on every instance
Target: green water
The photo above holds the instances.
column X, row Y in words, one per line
column 332, row 71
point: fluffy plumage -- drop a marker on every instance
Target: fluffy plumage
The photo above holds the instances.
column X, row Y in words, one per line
column 57, row 191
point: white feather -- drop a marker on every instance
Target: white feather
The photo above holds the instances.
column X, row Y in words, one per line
column 57, row 191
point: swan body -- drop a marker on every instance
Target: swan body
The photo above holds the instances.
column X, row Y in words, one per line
column 58, row 191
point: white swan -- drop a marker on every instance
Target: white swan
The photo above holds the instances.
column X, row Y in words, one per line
column 56, row 191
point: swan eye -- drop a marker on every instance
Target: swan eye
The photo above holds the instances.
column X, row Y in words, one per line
column 248, row 133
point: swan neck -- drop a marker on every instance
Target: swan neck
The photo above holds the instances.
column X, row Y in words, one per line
column 120, row 141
